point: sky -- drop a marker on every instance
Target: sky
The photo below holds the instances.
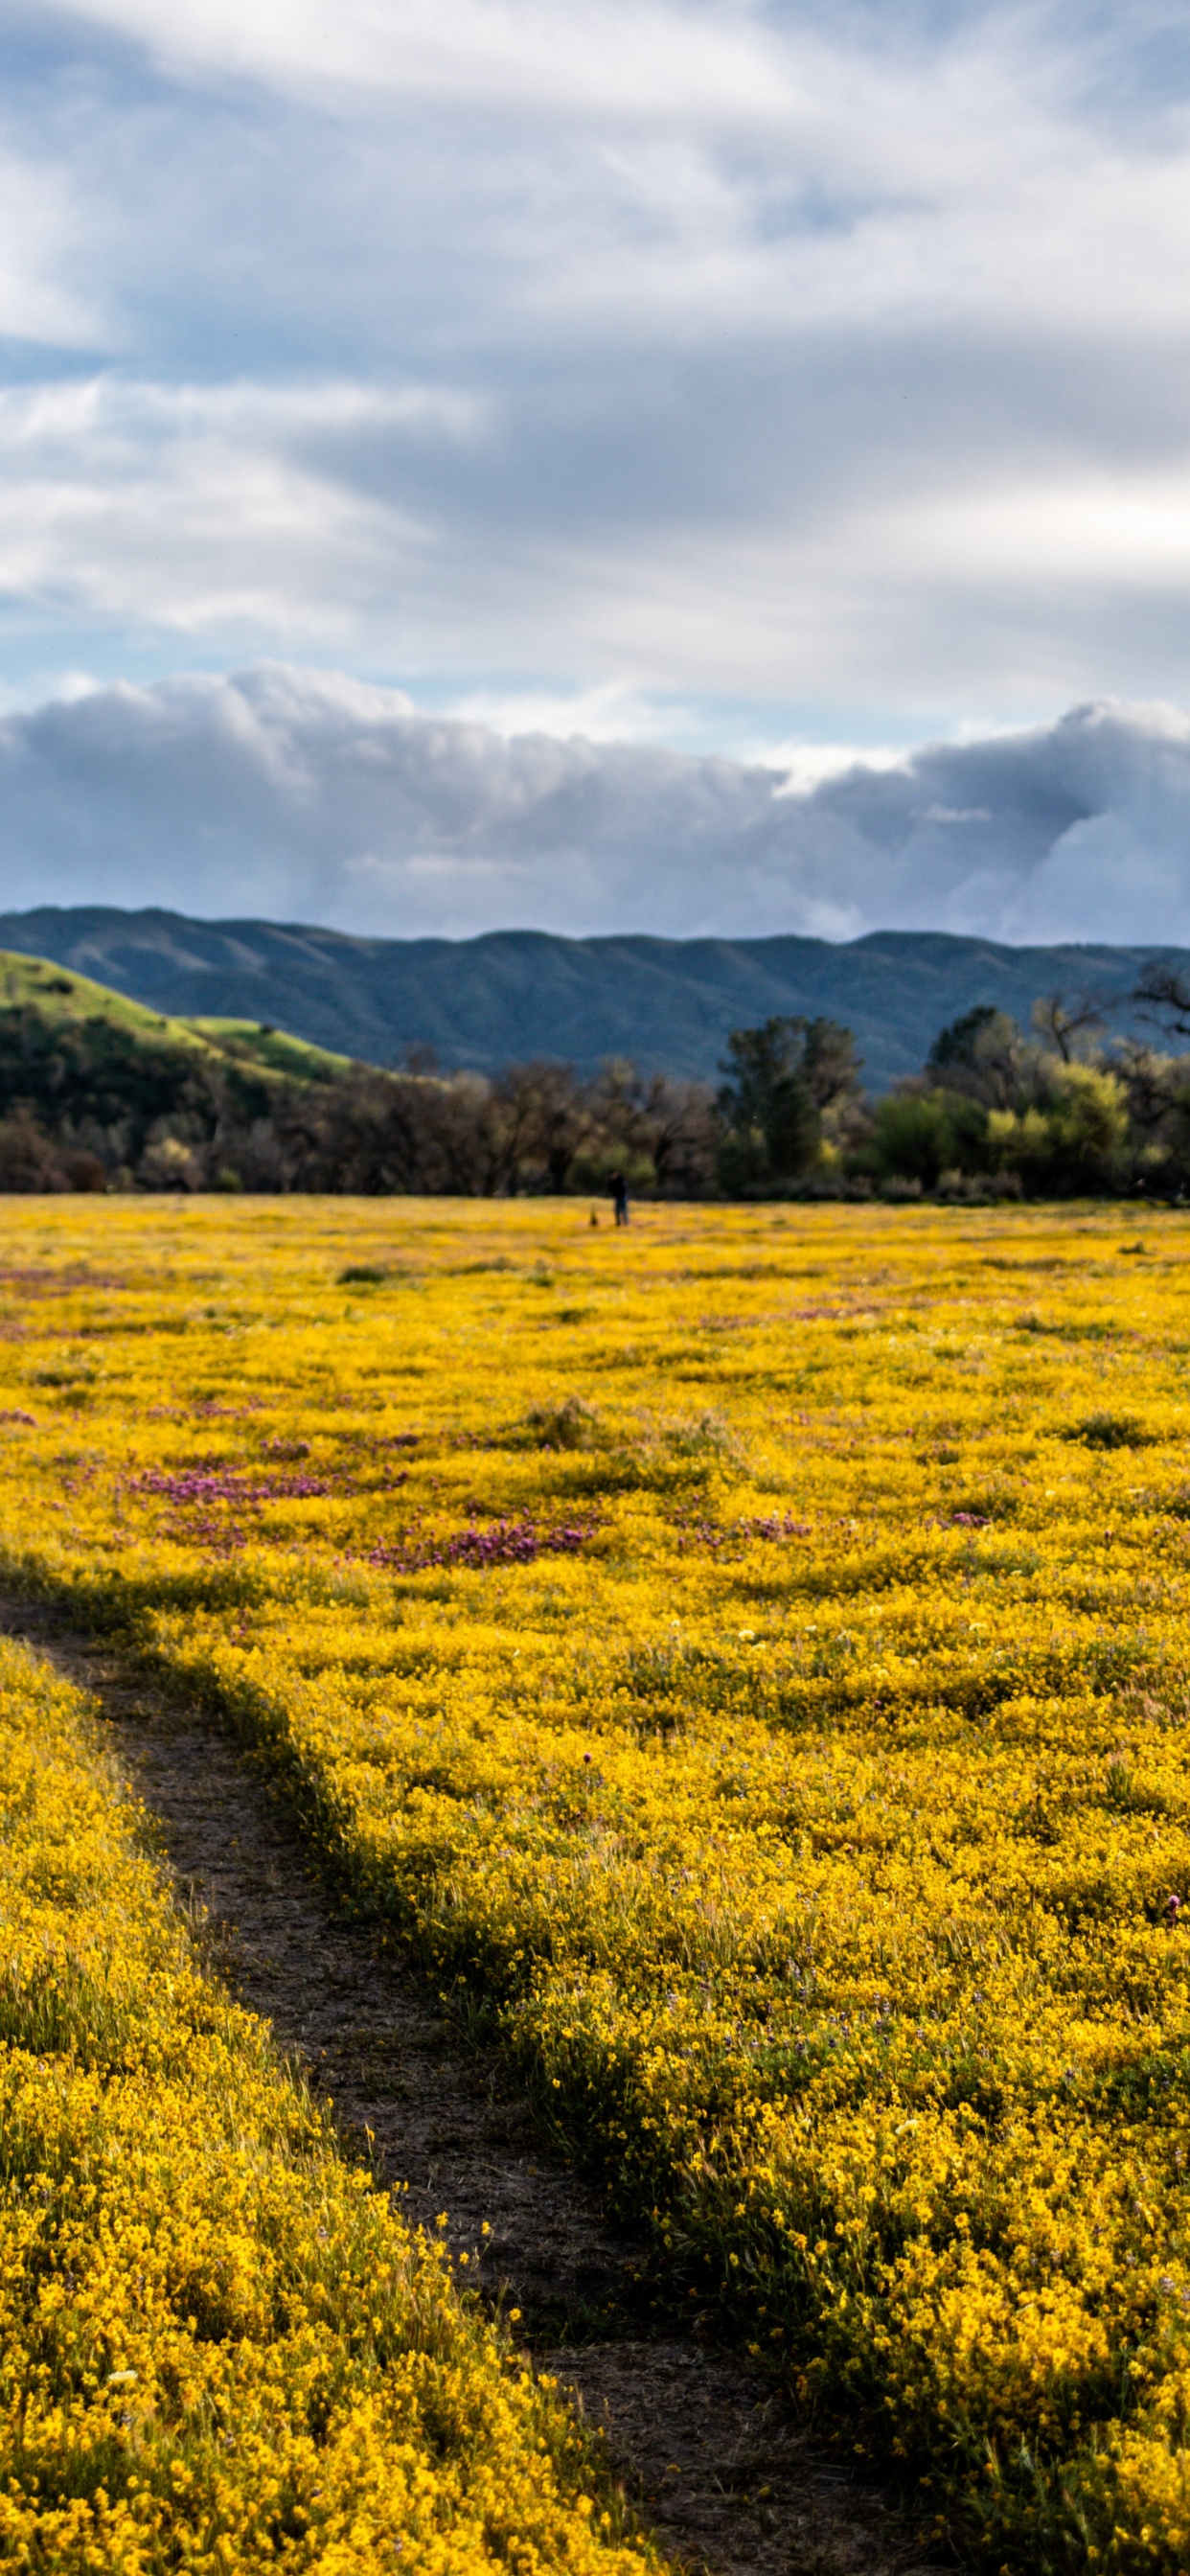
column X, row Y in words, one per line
column 474, row 462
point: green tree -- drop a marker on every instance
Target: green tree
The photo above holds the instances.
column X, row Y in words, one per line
column 780, row 1080
column 979, row 1054
column 1071, row 1138
column 919, row 1135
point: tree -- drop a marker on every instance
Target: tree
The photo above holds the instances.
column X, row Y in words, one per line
column 1062, row 1022
column 830, row 1065
column 781, row 1078
column 663, row 1134
column 1163, row 996
column 915, row 1136
column 1071, row 1137
column 978, row 1054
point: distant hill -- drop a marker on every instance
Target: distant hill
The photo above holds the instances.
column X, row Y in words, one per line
column 667, row 1003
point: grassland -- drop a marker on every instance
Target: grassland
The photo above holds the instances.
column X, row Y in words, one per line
column 748, row 1655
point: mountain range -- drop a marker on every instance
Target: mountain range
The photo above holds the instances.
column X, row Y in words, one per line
column 669, row 1004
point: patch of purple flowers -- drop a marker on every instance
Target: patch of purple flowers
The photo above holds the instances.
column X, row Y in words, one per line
column 216, row 1484
column 504, row 1543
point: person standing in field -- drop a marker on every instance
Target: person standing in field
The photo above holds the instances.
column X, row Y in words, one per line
column 619, row 1189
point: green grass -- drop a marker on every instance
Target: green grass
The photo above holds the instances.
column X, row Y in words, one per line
column 57, row 994
column 258, row 1042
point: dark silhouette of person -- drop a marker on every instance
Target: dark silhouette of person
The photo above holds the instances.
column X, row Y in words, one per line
column 619, row 1187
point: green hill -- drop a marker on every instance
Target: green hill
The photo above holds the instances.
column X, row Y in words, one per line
column 41, row 987
column 258, row 1042
column 66, row 1017
column 95, row 1087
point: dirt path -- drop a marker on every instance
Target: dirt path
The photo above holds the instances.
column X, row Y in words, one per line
column 716, row 2463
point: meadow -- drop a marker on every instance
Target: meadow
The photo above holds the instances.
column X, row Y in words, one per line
column 221, row 2350
column 747, row 1656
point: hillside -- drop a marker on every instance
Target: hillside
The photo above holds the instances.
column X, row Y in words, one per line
column 96, row 1088
column 668, row 1004
column 273, row 1050
column 67, row 1003
column 39, row 986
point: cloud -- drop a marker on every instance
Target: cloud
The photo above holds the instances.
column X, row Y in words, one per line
column 826, row 370
column 40, row 228
column 209, row 508
column 312, row 796
column 634, row 58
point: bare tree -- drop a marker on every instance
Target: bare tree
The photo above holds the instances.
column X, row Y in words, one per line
column 541, row 1113
column 1062, row 1020
column 648, row 1118
column 1163, row 996
column 1151, row 1084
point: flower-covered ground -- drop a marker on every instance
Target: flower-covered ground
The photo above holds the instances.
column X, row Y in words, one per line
column 748, row 1653
column 219, row 2349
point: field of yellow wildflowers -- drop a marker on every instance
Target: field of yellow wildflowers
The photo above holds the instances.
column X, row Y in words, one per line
column 220, row 2350
column 748, row 1654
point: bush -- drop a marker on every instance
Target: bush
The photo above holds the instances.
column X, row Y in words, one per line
column 30, row 1160
column 919, row 1135
column 1073, row 1137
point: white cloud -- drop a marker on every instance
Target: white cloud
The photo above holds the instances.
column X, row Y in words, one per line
column 308, row 795
column 41, row 228
column 414, row 527
column 690, row 352
column 705, row 164
column 634, row 58
column 613, row 711
column 205, row 509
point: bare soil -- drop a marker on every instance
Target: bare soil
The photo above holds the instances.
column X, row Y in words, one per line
column 711, row 2456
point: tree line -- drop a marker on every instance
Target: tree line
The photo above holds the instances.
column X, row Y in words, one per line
column 87, row 1104
column 995, row 1111
column 1049, row 1112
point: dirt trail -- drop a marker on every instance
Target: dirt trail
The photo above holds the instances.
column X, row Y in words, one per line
column 718, row 2467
